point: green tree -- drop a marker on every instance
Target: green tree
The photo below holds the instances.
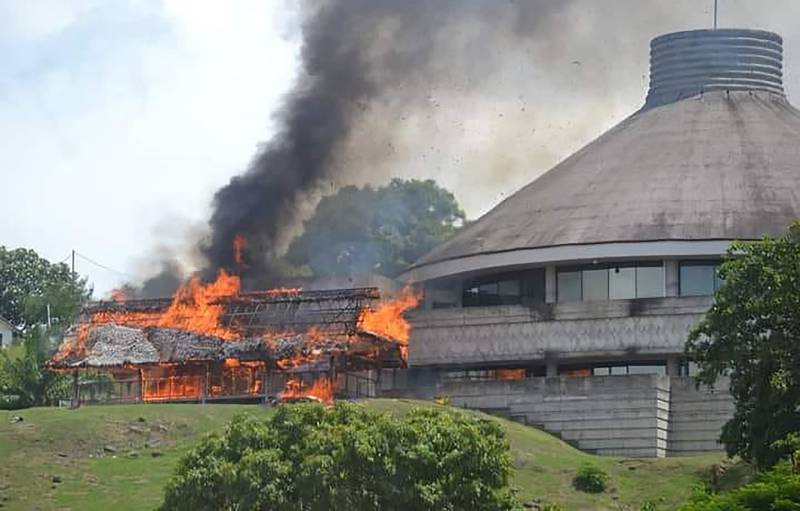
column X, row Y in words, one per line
column 25, row 380
column 307, row 457
column 752, row 334
column 380, row 230
column 28, row 283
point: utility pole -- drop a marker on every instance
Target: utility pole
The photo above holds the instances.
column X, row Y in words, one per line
column 716, row 10
column 73, row 264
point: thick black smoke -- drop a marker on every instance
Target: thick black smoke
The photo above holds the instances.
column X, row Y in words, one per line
column 355, row 55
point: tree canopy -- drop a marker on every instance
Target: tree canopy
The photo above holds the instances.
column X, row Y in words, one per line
column 28, row 283
column 381, row 230
column 309, row 457
column 752, row 335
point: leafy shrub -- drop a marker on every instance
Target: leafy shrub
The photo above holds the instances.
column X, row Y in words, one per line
column 777, row 489
column 308, row 457
column 590, row 479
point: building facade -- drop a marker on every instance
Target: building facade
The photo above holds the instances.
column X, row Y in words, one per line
column 600, row 267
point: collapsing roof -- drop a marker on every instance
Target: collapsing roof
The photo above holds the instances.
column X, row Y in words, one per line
column 110, row 345
column 280, row 328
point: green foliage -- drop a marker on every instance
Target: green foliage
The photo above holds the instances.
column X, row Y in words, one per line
column 752, row 334
column 778, row 489
column 347, row 458
column 590, row 479
column 25, row 380
column 648, row 506
column 28, row 283
column 380, row 230
column 791, row 446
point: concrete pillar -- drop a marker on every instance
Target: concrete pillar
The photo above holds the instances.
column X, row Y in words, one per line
column 671, row 277
column 550, row 284
column 552, row 367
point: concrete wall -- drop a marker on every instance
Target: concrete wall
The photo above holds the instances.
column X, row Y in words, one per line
column 632, row 416
column 615, row 416
column 476, row 335
column 697, row 416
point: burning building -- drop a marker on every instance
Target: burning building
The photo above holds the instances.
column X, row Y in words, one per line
column 212, row 342
column 601, row 266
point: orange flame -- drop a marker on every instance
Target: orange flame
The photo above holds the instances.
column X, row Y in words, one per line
column 73, row 346
column 388, row 319
column 118, row 295
column 239, row 244
column 194, row 308
column 322, row 389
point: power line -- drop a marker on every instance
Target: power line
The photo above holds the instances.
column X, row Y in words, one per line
column 99, row 265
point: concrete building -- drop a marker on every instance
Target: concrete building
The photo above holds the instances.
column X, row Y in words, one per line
column 567, row 305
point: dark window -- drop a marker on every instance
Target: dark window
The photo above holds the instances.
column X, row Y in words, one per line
column 505, row 289
column 699, row 278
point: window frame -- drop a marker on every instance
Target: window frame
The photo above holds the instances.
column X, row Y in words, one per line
column 608, row 267
column 716, row 281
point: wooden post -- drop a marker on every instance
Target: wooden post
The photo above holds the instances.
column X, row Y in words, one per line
column 141, row 385
column 205, row 385
column 264, row 374
column 75, row 391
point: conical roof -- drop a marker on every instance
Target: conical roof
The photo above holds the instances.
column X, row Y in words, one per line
column 713, row 155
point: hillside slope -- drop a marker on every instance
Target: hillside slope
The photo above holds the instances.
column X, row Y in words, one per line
column 119, row 457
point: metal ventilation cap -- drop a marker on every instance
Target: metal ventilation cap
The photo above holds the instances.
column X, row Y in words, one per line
column 687, row 64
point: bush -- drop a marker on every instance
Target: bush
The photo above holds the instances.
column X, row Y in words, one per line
column 590, row 479
column 777, row 489
column 347, row 458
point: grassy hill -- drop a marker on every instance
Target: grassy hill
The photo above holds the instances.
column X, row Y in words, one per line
column 119, row 457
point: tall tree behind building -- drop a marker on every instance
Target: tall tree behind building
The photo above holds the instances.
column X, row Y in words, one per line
column 381, row 230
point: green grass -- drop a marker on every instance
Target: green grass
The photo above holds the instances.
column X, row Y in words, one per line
column 104, row 456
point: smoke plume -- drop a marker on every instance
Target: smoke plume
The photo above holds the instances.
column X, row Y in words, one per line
column 480, row 95
column 357, row 55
